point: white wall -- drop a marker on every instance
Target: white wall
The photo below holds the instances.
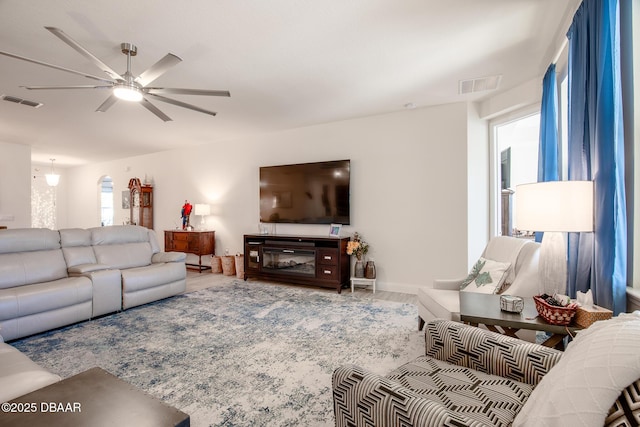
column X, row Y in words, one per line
column 15, row 185
column 408, row 187
column 477, row 184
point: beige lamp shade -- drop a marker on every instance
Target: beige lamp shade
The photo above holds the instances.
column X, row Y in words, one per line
column 565, row 206
column 202, row 209
column 554, row 207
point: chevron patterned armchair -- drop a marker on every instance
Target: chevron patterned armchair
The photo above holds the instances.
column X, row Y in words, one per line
column 468, row 377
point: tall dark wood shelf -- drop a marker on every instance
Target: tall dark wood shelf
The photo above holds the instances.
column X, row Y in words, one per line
column 305, row 260
column 141, row 203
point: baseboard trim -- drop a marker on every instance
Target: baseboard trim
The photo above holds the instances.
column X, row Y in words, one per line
column 404, row 288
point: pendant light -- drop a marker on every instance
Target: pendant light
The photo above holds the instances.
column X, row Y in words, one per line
column 52, row 178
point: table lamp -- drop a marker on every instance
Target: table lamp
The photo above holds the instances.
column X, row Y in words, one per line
column 554, row 207
column 202, row 210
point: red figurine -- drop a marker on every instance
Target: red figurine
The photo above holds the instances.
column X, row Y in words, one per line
column 186, row 211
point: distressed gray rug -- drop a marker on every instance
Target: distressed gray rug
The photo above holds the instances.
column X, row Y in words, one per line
column 241, row 354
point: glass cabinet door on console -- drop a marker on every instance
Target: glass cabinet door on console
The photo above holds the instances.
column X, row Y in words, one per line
column 289, row 261
column 252, row 251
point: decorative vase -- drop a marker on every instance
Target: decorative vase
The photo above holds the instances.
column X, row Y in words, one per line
column 370, row 271
column 359, row 269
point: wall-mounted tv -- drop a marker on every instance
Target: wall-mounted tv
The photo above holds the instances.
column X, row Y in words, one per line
column 306, row 193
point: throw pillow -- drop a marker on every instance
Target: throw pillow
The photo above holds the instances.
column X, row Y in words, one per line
column 486, row 276
column 581, row 388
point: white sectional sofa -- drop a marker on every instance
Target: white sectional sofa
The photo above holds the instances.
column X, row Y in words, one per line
column 51, row 278
column 147, row 273
column 20, row 375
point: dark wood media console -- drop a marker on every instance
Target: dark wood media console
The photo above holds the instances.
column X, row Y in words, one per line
column 305, row 260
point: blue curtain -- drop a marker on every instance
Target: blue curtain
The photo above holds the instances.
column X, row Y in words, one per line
column 597, row 260
column 548, row 147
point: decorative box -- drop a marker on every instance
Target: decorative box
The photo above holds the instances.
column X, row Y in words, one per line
column 586, row 316
column 511, row 304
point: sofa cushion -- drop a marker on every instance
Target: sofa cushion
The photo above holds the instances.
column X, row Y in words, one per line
column 486, row 276
column 124, row 255
column 19, row 375
column 626, row 410
column 506, row 249
column 73, row 237
column 28, row 239
column 489, row 399
column 42, row 297
column 527, row 279
column 25, row 268
column 119, row 234
column 76, row 246
column 137, row 279
column 442, row 303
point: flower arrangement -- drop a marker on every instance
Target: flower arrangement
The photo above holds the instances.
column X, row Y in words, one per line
column 357, row 246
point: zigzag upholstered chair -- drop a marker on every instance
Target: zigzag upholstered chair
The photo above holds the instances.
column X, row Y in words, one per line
column 471, row 377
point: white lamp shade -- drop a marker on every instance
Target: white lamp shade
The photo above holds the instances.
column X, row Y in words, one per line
column 202, row 209
column 52, row 179
column 564, row 206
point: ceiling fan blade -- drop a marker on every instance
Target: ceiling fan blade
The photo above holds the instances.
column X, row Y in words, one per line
column 67, row 87
column 155, row 110
column 84, row 52
column 158, row 69
column 57, row 67
column 182, row 104
column 107, row 103
column 179, row 91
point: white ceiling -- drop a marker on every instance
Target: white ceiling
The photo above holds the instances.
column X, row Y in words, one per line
column 287, row 64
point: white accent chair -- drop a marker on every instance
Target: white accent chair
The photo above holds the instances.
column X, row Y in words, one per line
column 442, row 300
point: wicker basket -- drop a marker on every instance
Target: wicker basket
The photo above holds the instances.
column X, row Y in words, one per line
column 554, row 314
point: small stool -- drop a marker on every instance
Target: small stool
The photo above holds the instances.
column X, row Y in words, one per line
column 363, row 281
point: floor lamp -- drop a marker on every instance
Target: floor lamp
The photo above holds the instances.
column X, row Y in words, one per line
column 554, row 207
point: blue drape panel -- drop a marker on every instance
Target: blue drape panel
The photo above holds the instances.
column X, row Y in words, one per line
column 548, row 148
column 597, row 260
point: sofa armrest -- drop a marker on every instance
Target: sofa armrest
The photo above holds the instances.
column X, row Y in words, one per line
column 362, row 398
column 168, row 257
column 448, row 284
column 488, row 352
column 84, row 269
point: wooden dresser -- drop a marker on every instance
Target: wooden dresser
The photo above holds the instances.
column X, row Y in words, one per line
column 192, row 242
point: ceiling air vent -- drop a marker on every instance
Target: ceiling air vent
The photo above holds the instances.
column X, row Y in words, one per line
column 479, row 85
column 21, row 101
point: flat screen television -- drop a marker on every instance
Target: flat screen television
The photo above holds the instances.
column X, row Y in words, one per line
column 306, row 193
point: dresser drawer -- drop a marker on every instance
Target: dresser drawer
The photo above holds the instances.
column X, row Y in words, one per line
column 327, row 257
column 180, row 245
column 180, row 237
column 327, row 272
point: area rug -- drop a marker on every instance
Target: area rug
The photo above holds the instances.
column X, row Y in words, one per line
column 240, row 354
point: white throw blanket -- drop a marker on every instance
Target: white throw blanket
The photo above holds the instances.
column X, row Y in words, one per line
column 579, row 390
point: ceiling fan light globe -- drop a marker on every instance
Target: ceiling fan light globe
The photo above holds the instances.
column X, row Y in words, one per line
column 127, row 93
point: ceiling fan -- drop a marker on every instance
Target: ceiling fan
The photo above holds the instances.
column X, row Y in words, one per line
column 126, row 86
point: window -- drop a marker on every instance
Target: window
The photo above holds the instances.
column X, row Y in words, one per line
column 516, row 150
column 106, row 201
